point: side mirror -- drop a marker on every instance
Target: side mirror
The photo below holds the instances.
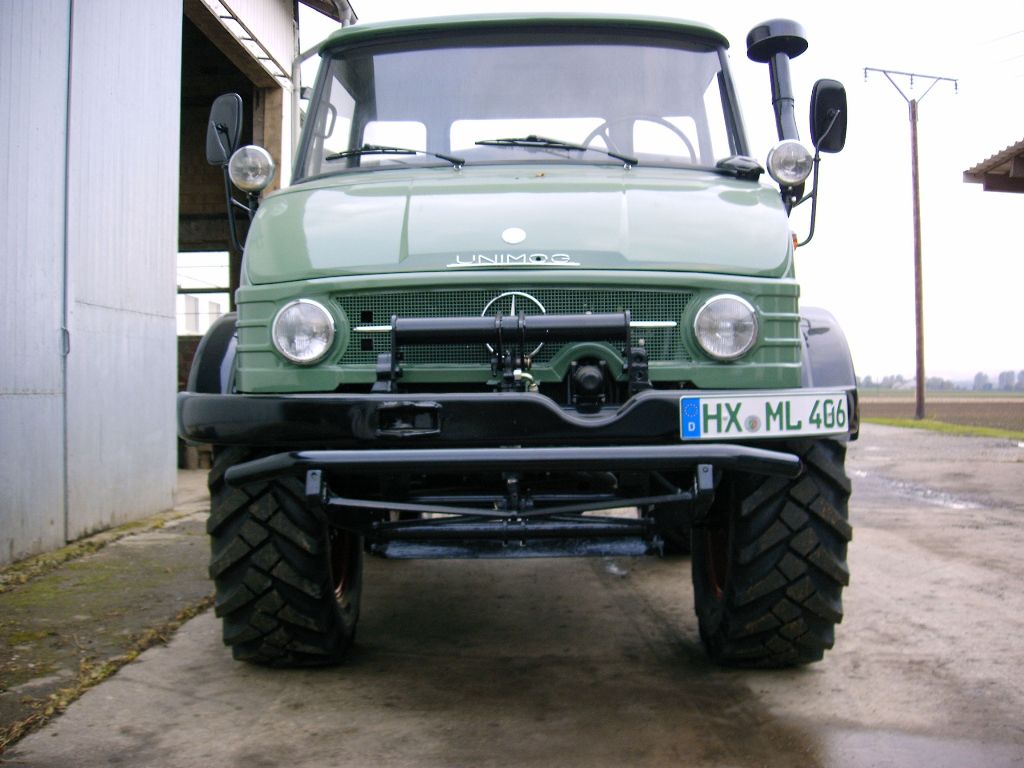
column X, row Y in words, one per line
column 828, row 116
column 224, row 131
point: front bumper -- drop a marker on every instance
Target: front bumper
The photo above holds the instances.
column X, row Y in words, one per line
column 499, row 444
column 500, row 431
column 431, row 420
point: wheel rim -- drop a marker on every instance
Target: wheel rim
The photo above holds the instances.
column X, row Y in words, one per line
column 716, row 558
column 343, row 555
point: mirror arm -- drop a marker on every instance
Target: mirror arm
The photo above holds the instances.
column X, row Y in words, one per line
column 813, row 197
column 253, row 200
column 831, row 125
column 813, row 194
column 222, row 130
column 231, row 203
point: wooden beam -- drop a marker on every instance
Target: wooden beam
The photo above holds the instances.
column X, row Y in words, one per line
column 1002, row 183
column 268, row 121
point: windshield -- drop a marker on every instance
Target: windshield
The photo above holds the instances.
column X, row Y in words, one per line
column 580, row 96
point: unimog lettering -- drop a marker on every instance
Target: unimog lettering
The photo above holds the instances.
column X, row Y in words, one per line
column 372, row 398
column 514, row 259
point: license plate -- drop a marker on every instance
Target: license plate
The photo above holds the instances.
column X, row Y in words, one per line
column 743, row 417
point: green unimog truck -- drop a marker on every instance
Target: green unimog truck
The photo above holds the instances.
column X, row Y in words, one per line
column 528, row 294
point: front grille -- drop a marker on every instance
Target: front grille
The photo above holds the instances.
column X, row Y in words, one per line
column 663, row 344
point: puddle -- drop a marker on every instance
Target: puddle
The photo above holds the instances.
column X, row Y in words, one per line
column 892, row 749
column 615, row 569
column 916, row 492
column 931, row 496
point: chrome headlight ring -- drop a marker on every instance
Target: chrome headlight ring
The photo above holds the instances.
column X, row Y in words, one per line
column 303, row 331
column 726, row 327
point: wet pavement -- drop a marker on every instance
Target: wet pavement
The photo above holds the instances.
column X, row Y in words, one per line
column 597, row 662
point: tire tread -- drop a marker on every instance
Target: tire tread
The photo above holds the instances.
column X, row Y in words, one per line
column 788, row 566
column 273, row 583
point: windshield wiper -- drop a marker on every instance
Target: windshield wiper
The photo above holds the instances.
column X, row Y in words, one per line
column 377, row 149
column 741, row 166
column 545, row 143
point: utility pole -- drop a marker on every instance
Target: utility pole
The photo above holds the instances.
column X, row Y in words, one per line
column 915, row 183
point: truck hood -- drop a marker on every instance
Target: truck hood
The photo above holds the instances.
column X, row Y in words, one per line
column 519, row 217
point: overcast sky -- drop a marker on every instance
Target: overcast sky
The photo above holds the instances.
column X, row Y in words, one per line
column 860, row 263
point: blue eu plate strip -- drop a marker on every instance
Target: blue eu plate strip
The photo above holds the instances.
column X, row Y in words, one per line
column 690, row 415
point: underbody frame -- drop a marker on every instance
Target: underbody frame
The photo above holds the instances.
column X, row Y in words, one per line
column 484, row 474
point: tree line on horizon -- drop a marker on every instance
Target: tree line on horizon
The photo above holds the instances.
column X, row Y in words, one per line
column 1007, row 381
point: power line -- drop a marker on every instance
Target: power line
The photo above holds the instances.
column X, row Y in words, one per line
column 1004, row 37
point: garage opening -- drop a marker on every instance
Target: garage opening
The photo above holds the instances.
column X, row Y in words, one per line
column 207, row 269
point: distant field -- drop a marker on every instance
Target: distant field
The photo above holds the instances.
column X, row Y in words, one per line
column 999, row 410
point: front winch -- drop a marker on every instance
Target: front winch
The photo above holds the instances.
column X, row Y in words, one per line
column 509, row 337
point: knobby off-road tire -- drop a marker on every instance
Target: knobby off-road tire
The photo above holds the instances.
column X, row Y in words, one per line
column 287, row 585
column 769, row 563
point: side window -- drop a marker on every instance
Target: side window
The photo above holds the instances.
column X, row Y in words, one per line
column 714, row 113
column 337, row 120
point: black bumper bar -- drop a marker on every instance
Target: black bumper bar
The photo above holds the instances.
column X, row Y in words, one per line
column 456, row 420
column 521, row 459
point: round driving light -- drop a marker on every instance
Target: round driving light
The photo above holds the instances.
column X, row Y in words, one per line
column 726, row 327
column 303, row 331
column 790, row 163
column 251, row 168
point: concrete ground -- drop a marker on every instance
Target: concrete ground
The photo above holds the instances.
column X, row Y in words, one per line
column 74, row 622
column 596, row 662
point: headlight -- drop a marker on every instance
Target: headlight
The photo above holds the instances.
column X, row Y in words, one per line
column 790, row 163
column 251, row 168
column 303, row 331
column 726, row 327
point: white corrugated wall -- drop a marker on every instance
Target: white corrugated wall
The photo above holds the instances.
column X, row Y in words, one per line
column 33, row 116
column 122, row 246
column 89, row 109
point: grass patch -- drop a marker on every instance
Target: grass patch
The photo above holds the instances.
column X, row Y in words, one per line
column 949, row 429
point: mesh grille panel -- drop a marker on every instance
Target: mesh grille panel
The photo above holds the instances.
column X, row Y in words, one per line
column 377, row 308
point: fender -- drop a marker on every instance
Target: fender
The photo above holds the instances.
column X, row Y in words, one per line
column 213, row 367
column 826, row 354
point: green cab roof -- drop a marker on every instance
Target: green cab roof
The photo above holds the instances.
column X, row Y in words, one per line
column 389, row 30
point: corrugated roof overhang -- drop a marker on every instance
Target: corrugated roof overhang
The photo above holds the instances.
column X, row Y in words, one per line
column 1003, row 172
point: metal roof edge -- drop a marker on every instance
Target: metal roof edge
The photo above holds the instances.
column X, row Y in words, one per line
column 385, row 29
column 976, row 173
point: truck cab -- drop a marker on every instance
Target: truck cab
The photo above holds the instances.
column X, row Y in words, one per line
column 529, row 294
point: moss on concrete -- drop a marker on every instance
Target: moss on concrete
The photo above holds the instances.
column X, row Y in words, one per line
column 72, row 618
column 30, row 568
